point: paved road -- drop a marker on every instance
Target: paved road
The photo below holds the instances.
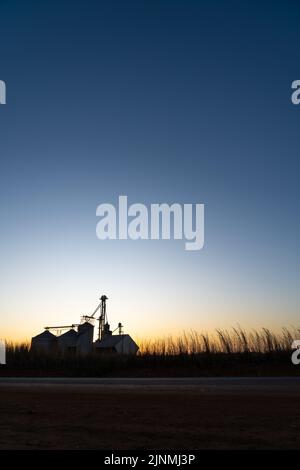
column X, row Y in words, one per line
column 150, row 413
column 169, row 381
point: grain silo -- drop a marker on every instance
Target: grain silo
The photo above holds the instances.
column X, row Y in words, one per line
column 67, row 342
column 79, row 337
column 85, row 338
column 46, row 342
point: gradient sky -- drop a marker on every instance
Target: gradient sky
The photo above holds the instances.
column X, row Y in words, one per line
column 164, row 101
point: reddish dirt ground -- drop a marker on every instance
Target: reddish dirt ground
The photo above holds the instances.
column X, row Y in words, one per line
column 154, row 417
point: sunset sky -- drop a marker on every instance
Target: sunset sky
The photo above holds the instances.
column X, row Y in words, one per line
column 162, row 101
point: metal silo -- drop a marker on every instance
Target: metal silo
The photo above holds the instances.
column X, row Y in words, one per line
column 67, row 342
column 85, row 337
column 45, row 341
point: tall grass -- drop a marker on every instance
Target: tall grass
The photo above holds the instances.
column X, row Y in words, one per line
column 235, row 340
column 224, row 352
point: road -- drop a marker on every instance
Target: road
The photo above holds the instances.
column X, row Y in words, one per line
column 269, row 382
column 150, row 413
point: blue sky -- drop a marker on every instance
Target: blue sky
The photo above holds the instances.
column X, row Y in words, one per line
column 168, row 101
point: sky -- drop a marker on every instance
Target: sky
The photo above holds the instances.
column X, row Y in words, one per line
column 162, row 101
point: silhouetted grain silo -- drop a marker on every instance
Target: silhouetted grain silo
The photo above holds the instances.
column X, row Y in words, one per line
column 67, row 342
column 81, row 340
column 85, row 337
column 45, row 341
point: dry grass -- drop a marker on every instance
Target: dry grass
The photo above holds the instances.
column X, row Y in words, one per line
column 235, row 340
column 225, row 352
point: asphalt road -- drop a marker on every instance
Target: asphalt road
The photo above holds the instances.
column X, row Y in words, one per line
column 150, row 413
column 162, row 381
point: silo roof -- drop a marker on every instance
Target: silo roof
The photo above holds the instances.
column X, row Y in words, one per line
column 70, row 333
column 86, row 324
column 45, row 335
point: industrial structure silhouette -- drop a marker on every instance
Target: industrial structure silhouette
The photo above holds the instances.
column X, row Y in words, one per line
column 79, row 338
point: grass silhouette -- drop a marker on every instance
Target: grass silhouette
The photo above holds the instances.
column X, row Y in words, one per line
column 224, row 352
